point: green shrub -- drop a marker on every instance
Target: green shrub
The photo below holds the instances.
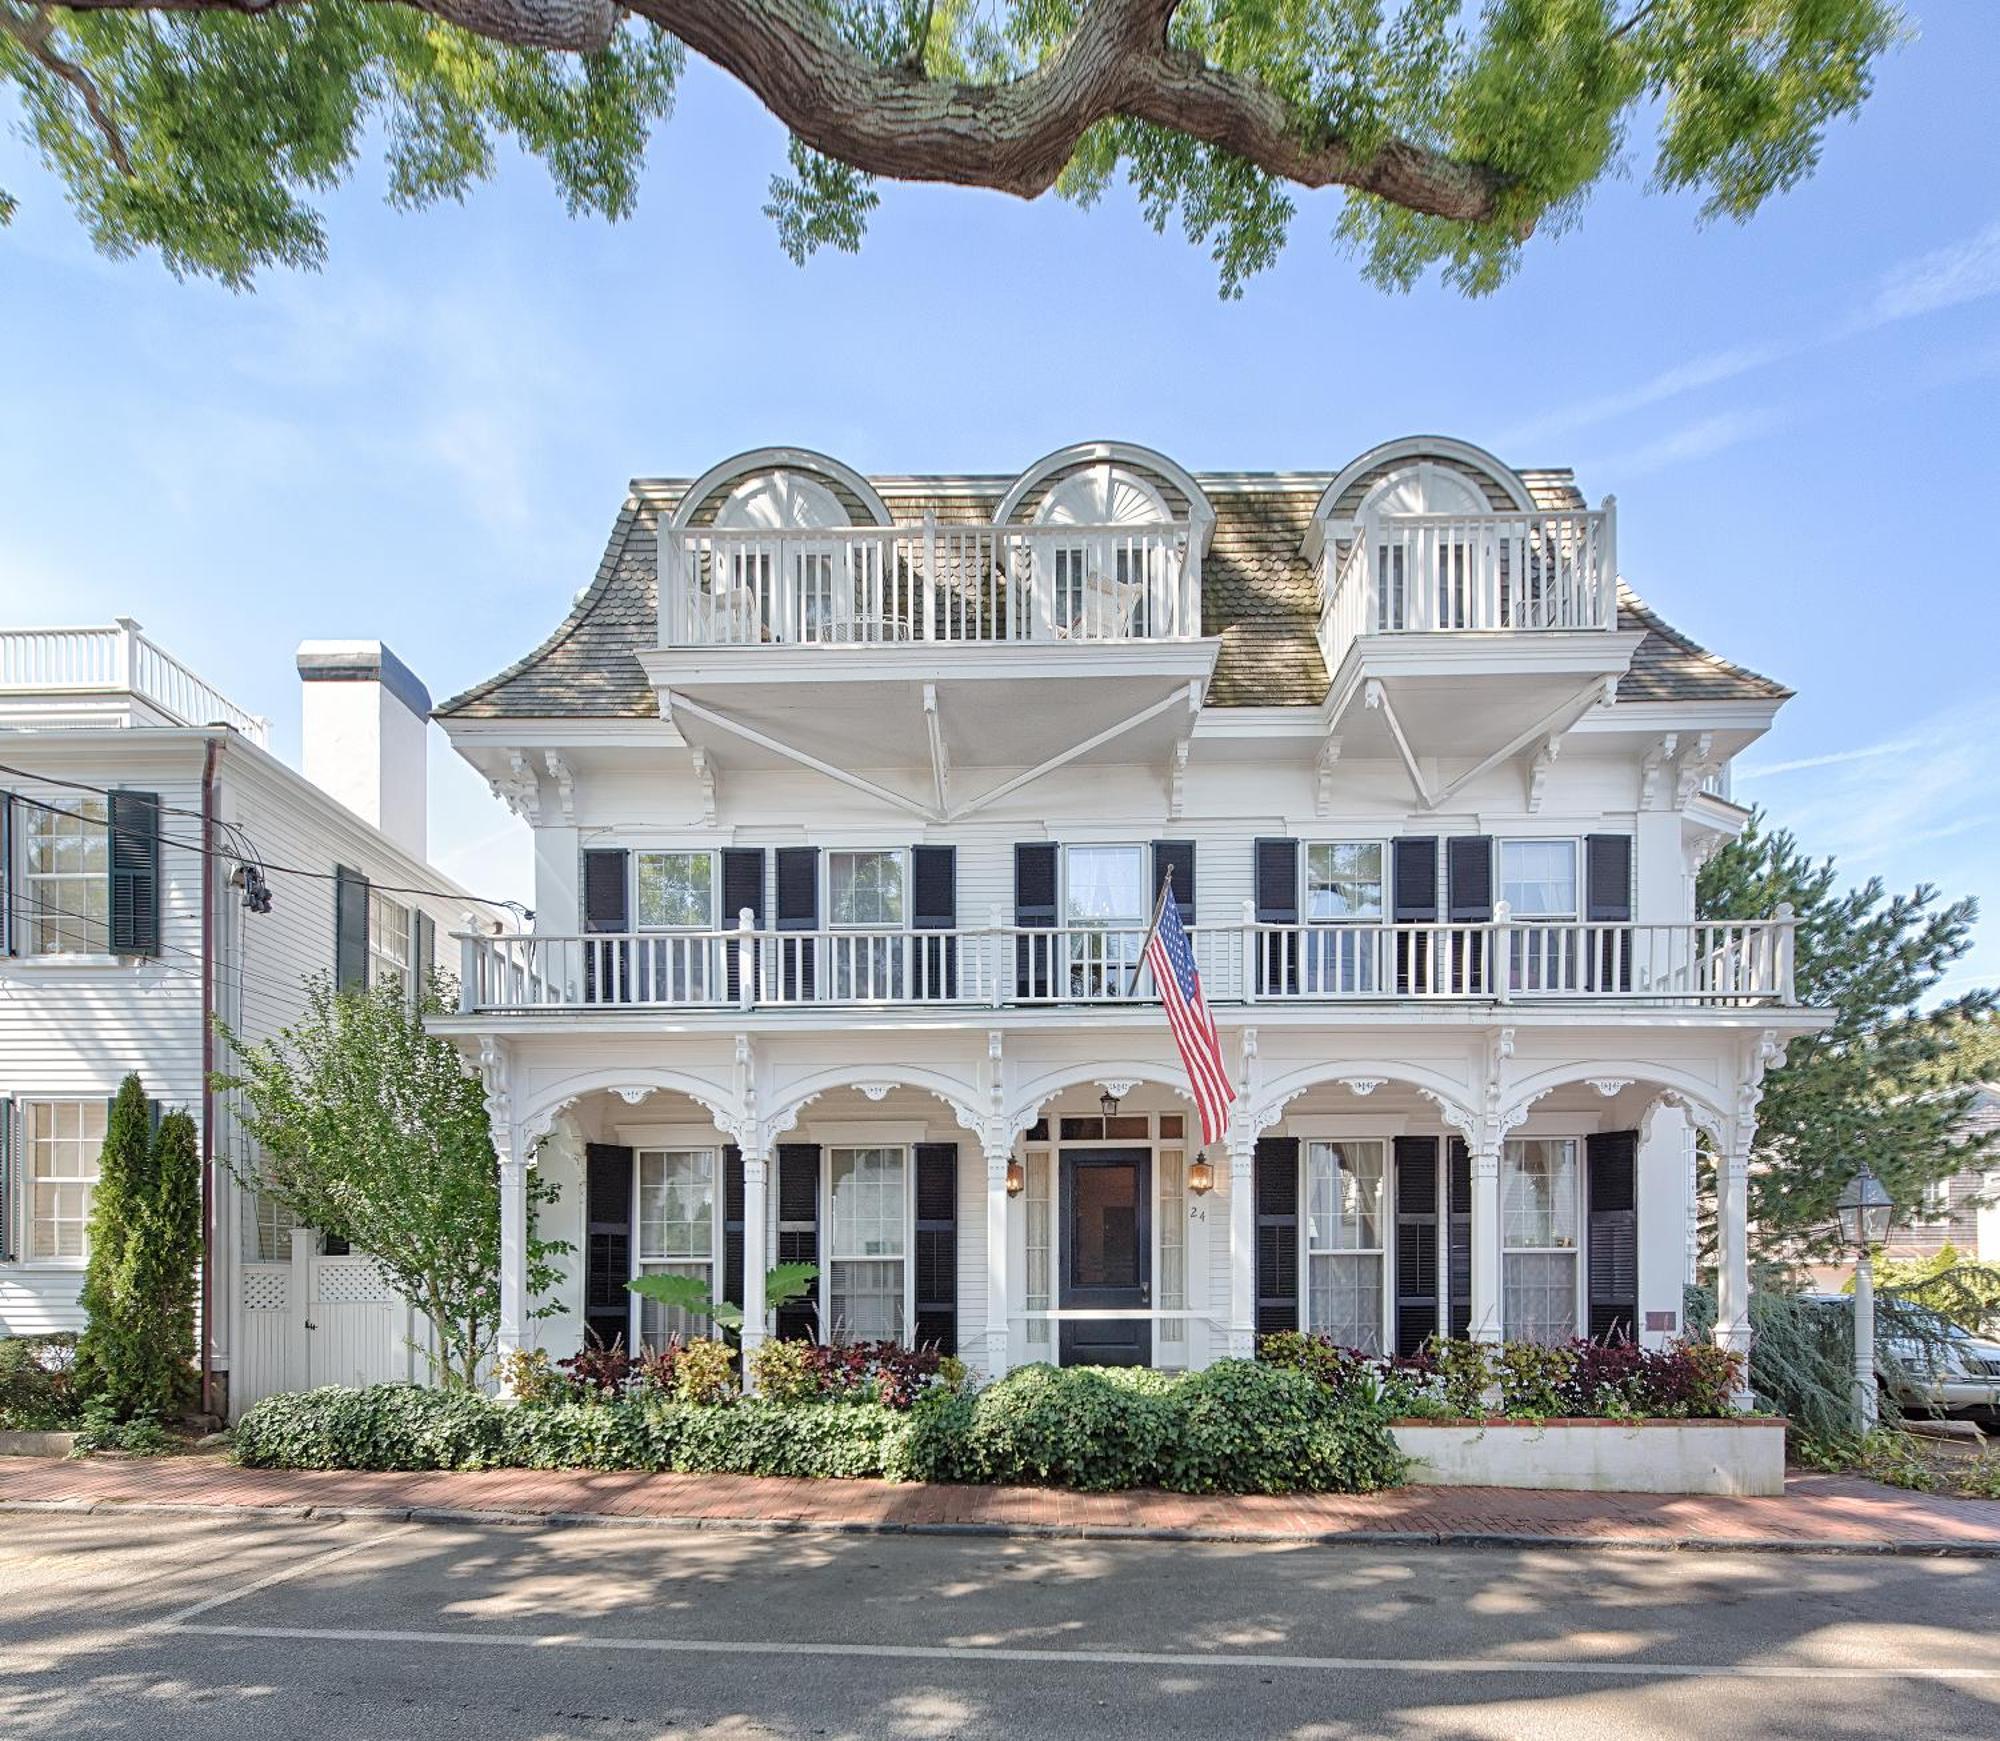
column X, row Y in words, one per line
column 38, row 1391
column 782, row 1372
column 1534, row 1378
column 388, row 1426
column 705, row 1372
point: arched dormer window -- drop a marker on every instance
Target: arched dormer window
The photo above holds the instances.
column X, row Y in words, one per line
column 1423, row 527
column 1109, row 562
column 815, row 571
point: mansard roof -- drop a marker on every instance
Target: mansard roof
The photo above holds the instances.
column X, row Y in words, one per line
column 1260, row 592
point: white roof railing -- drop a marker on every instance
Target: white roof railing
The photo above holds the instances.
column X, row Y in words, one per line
column 119, row 657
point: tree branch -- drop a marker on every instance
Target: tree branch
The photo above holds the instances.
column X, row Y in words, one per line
column 33, row 34
column 1015, row 136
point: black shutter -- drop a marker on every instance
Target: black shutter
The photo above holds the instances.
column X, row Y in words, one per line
column 1416, row 1242
column 1608, row 901
column 1177, row 856
column 937, row 1246
column 606, row 892
column 1613, row 1233
column 427, row 952
column 350, row 929
column 732, row 1224
column 934, row 907
column 742, row 887
column 1275, row 864
column 607, row 1245
column 1034, row 908
column 1414, row 901
column 1274, row 1182
column 134, row 820
column 7, row 943
column 1458, row 1264
column 798, row 1232
column 1468, row 864
column 798, row 910
column 6, row 1181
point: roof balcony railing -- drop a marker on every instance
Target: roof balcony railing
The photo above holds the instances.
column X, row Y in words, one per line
column 1723, row 964
column 114, row 659
column 1516, row 573
column 929, row 582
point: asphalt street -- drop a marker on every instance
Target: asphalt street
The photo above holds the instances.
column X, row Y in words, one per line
column 268, row 1629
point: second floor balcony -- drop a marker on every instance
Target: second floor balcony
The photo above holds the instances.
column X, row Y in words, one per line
column 1734, row 964
column 937, row 582
column 110, row 675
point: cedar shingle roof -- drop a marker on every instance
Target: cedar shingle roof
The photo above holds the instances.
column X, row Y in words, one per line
column 1258, row 594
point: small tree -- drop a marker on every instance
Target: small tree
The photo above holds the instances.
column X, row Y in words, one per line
column 136, row 1356
column 1890, row 1081
column 373, row 1130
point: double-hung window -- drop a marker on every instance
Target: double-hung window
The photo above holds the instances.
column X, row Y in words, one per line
column 1344, row 899
column 389, row 942
column 675, row 893
column 1346, row 1185
column 1538, row 881
column 62, row 1142
column 865, row 893
column 1538, row 1216
column 677, row 1233
column 867, row 1244
column 1107, row 911
column 65, row 906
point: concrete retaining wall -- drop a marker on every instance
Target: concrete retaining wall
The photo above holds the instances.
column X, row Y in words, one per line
column 1735, row 1456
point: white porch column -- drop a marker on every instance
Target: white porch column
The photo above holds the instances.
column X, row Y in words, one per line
column 1484, row 1289
column 513, row 1251
column 999, row 1155
column 756, row 1254
column 1242, row 1236
column 1732, row 1270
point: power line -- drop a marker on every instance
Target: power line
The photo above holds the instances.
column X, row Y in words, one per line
column 237, row 858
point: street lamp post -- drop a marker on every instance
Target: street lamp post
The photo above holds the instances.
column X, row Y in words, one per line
column 1864, row 1208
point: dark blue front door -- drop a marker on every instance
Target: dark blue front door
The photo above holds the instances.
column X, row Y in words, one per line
column 1107, row 1255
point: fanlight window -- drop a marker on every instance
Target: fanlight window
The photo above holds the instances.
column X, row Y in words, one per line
column 1103, row 564
column 818, row 573
column 1433, row 553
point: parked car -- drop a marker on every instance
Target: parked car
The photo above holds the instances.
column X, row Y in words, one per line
column 1930, row 1365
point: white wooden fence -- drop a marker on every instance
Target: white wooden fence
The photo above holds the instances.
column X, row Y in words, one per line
column 320, row 1320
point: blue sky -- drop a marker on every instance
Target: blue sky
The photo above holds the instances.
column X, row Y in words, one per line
column 427, row 441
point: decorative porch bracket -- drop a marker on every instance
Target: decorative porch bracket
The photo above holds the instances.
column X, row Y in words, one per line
column 1548, row 731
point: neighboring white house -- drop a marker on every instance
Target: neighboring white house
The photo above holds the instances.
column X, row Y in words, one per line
column 140, row 816
column 850, row 800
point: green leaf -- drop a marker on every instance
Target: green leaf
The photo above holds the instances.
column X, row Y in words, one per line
column 678, row 1293
column 787, row 1282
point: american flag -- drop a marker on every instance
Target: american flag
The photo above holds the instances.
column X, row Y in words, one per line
column 1171, row 957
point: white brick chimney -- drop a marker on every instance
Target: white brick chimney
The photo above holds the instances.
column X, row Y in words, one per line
column 366, row 717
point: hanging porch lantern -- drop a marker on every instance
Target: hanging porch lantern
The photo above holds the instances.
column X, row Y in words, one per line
column 1201, row 1176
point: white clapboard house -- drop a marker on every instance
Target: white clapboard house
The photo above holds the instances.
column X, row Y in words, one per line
column 158, row 865
column 851, row 797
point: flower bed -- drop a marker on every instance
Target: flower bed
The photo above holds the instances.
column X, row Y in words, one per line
column 1236, row 1427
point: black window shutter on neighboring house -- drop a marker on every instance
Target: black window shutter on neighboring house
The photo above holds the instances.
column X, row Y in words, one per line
column 1416, row 1241
column 607, row 1246
column 134, row 821
column 1275, row 1185
column 798, row 1231
column 1275, row 868
column 350, row 929
column 732, row 1224
column 1468, row 864
column 742, row 890
column 798, row 910
column 1608, row 901
column 1458, row 1266
column 6, row 1181
column 606, row 897
column 1413, row 875
column 1177, row 855
column 1034, row 908
column 7, row 943
column 1613, row 1232
column 934, row 907
column 937, row 1246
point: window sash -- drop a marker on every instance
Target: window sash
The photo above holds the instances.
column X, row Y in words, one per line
column 868, row 1201
column 65, row 877
column 1538, row 878
column 389, row 924
column 674, row 891
column 866, row 1299
column 1105, row 886
column 1538, row 1296
column 1344, row 1298
column 1039, row 1244
column 1344, row 883
column 62, row 1143
column 676, row 1220
column 1171, row 1234
column 1346, row 1196
column 1538, row 1194
column 865, row 890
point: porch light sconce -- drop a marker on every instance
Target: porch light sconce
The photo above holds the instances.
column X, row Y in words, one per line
column 1201, row 1176
column 1017, row 1178
column 1107, row 1103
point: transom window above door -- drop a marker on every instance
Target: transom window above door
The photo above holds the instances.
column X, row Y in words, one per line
column 865, row 888
column 1343, row 880
column 676, row 891
column 1538, row 878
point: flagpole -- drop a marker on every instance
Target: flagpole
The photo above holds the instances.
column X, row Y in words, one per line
column 1152, row 930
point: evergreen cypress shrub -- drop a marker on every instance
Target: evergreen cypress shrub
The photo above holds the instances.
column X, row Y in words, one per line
column 135, row 1359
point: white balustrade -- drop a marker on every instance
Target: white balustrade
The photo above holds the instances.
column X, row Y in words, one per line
column 1430, row 573
column 118, row 658
column 929, row 582
column 1012, row 966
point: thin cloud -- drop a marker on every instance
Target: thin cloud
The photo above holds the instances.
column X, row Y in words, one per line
column 1701, row 439
column 1947, row 277
column 1836, row 759
column 1708, row 371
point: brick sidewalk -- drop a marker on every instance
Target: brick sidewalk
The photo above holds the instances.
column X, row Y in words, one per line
column 1816, row 1512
